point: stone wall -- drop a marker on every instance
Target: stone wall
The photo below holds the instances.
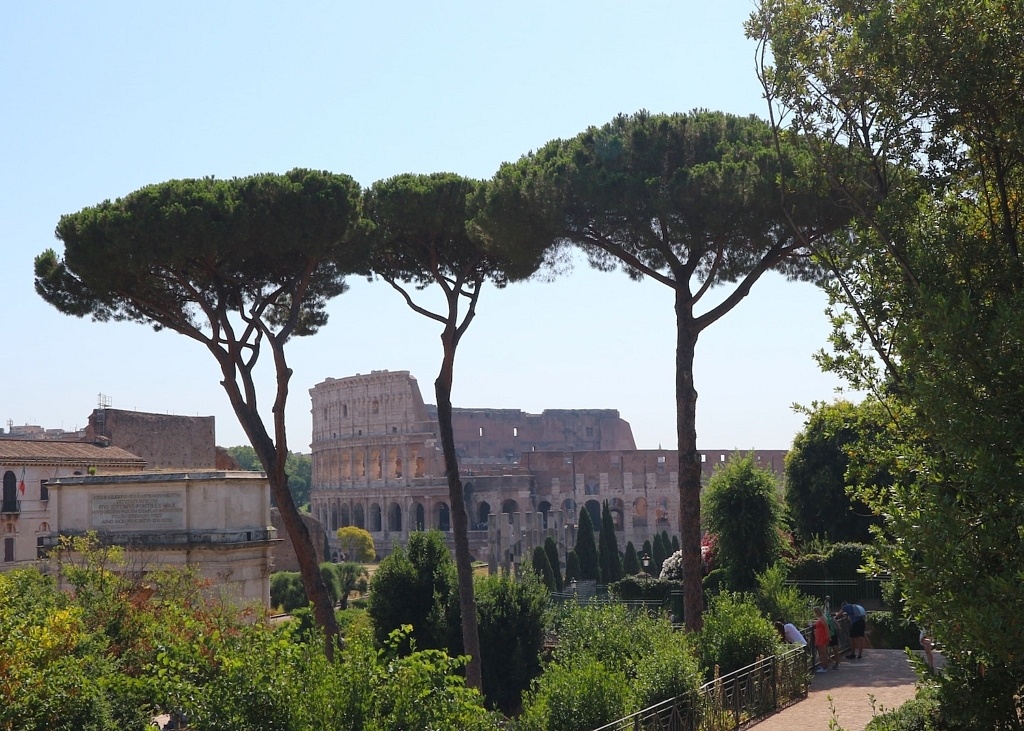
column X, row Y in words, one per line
column 165, row 441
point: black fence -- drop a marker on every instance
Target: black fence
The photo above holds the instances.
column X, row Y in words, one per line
column 729, row 702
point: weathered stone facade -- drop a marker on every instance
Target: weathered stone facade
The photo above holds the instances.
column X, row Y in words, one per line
column 377, row 465
column 218, row 522
column 165, row 441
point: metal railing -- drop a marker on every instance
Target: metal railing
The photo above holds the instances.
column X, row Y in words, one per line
column 867, row 589
column 731, row 701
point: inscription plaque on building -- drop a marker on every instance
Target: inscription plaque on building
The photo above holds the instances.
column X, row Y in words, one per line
column 137, row 511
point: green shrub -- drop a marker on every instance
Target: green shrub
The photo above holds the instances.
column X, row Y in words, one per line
column 333, row 581
column 510, row 616
column 610, row 633
column 714, row 581
column 734, row 635
column 287, row 592
column 917, row 714
column 416, row 586
column 668, row 670
column 778, row 600
column 578, row 696
column 844, row 560
column 646, row 588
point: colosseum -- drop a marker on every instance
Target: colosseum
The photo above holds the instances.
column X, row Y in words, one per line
column 377, row 464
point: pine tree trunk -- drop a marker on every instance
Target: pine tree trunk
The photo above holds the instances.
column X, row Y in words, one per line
column 460, row 520
column 689, row 464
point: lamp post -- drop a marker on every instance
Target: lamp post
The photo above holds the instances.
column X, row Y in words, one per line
column 645, row 561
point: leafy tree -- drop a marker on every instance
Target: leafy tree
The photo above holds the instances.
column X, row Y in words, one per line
column 237, row 265
column 286, row 592
column 572, row 568
column 816, row 481
column 608, row 548
column 659, row 555
column 742, row 507
column 246, row 457
column 691, row 201
column 735, row 634
column 551, row 549
column 423, row 236
column 578, row 697
column 298, row 467
column 929, row 299
column 586, row 549
column 356, row 544
column 350, row 576
column 542, row 567
column 511, row 636
column 630, row 563
column 414, row 586
column 655, row 662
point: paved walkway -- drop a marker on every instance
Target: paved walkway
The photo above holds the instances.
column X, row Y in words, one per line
column 884, row 674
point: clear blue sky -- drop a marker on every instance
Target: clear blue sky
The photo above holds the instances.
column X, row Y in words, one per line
column 102, row 98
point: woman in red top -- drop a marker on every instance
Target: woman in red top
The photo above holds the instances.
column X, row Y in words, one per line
column 821, row 638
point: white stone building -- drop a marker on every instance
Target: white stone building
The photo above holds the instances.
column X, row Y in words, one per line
column 218, row 521
column 27, row 468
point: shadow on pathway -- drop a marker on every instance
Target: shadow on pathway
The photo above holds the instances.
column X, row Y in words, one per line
column 884, row 674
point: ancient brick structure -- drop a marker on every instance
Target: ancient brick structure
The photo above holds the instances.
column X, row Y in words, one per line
column 377, row 465
column 165, row 441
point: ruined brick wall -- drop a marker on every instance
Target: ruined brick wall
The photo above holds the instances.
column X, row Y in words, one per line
column 504, row 434
column 164, row 441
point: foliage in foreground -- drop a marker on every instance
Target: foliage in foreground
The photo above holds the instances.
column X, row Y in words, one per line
column 735, row 634
column 610, row 661
column 118, row 649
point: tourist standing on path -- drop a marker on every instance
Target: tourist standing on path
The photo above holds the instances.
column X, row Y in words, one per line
column 833, row 639
column 858, row 624
column 821, row 639
column 928, row 645
column 789, row 633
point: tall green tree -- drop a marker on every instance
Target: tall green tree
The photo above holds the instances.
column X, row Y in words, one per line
column 415, row 585
column 572, row 568
column 630, row 563
column 298, row 467
column 356, row 544
column 691, row 201
column 817, row 487
column 423, row 237
column 586, row 548
column 542, row 567
column 512, row 625
column 742, row 508
column 240, row 266
column 551, row 549
column 930, row 288
column 658, row 555
column 608, row 548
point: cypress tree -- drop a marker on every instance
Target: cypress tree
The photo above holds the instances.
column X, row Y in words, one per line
column 572, row 567
column 608, row 548
column 551, row 549
column 648, row 550
column 659, row 555
column 586, row 549
column 542, row 567
column 630, row 563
